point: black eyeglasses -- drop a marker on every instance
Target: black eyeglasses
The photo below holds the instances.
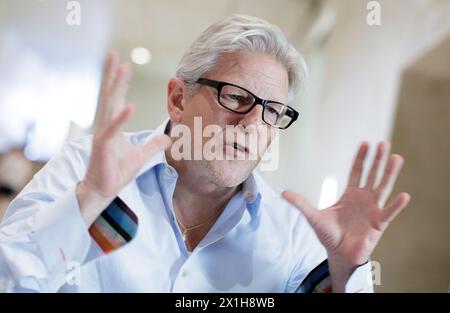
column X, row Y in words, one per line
column 242, row 101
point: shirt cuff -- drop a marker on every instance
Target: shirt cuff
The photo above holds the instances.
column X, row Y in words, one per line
column 319, row 280
column 361, row 279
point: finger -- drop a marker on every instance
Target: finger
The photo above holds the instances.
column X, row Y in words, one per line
column 302, row 204
column 156, row 144
column 108, row 77
column 116, row 125
column 382, row 151
column 109, row 72
column 395, row 207
column 391, row 172
column 116, row 98
column 358, row 163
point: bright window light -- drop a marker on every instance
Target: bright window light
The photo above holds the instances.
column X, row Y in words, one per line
column 328, row 194
column 39, row 106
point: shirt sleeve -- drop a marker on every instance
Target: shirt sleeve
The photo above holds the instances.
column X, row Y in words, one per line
column 361, row 279
column 310, row 270
column 308, row 252
column 43, row 233
column 319, row 281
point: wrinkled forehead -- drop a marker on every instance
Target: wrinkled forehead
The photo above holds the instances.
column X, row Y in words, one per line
column 259, row 73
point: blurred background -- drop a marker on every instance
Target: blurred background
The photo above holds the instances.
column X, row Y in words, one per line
column 378, row 70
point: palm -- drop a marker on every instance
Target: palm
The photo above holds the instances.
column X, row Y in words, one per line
column 114, row 161
column 113, row 166
column 352, row 226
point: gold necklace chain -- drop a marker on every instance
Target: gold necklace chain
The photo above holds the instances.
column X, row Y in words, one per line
column 185, row 229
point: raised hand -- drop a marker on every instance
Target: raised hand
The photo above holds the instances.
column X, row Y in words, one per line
column 351, row 228
column 114, row 161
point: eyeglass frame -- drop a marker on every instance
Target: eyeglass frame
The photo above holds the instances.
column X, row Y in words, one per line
column 218, row 85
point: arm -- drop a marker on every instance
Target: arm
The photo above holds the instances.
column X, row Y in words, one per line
column 46, row 227
column 310, row 274
column 43, row 229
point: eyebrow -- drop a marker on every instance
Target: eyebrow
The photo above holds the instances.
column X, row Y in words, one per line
column 239, row 84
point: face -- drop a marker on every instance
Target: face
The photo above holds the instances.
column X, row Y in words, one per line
column 259, row 73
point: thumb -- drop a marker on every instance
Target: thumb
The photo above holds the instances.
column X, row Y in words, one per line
column 301, row 203
column 156, row 144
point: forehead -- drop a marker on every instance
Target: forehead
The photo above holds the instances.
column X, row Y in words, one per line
column 257, row 72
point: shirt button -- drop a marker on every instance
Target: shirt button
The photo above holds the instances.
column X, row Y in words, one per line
column 184, row 273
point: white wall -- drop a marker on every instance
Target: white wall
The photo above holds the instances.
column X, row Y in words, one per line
column 356, row 97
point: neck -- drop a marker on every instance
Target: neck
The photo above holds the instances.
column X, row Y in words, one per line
column 196, row 197
column 197, row 200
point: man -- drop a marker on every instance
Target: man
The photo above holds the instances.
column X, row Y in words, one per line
column 118, row 212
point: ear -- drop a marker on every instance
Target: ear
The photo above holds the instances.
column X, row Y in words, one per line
column 176, row 99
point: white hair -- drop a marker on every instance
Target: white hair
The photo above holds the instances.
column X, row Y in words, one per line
column 235, row 34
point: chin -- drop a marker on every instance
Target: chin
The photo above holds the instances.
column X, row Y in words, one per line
column 229, row 173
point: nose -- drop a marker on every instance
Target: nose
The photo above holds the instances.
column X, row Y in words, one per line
column 254, row 117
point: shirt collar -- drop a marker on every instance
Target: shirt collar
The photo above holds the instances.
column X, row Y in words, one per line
column 252, row 194
column 250, row 188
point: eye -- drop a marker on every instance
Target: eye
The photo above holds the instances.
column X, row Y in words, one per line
column 238, row 99
column 235, row 97
column 271, row 110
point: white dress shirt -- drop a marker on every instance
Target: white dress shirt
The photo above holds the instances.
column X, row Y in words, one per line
column 260, row 243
